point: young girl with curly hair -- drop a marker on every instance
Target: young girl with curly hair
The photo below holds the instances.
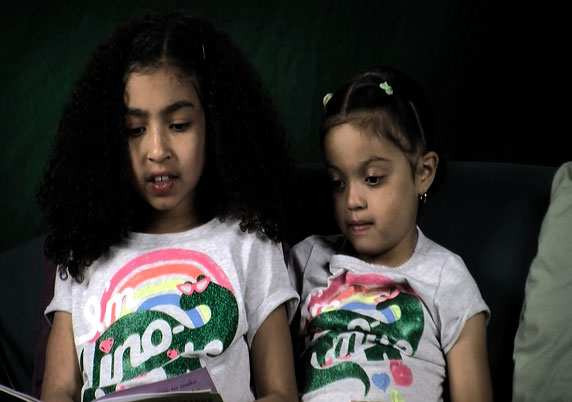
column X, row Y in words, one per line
column 386, row 312
column 164, row 196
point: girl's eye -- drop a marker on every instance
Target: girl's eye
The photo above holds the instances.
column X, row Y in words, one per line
column 179, row 127
column 136, row 132
column 373, row 180
column 336, row 185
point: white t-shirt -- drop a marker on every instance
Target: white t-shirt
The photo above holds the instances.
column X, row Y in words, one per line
column 160, row 305
column 377, row 333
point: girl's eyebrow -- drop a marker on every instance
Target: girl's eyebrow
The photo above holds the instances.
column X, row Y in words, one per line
column 362, row 164
column 374, row 159
column 176, row 106
column 330, row 166
column 170, row 109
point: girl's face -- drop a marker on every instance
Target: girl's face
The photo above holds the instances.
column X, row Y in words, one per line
column 166, row 128
column 375, row 194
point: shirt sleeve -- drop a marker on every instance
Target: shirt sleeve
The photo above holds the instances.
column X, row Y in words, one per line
column 268, row 285
column 62, row 300
column 459, row 299
column 298, row 259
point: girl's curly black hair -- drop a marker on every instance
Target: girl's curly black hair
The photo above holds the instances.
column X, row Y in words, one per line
column 86, row 195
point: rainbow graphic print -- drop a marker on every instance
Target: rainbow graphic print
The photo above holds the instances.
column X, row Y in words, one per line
column 358, row 319
column 159, row 313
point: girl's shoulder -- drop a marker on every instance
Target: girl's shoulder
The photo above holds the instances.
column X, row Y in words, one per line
column 443, row 263
column 316, row 250
column 430, row 249
column 329, row 244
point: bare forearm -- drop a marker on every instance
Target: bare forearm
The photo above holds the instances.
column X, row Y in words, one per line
column 56, row 396
column 62, row 379
column 272, row 359
column 469, row 377
column 278, row 397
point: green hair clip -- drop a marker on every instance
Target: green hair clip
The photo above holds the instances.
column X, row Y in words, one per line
column 327, row 98
column 386, row 87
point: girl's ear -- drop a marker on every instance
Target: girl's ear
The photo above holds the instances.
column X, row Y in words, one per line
column 425, row 173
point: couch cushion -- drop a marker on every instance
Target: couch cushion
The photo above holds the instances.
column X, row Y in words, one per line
column 21, row 276
column 543, row 353
column 490, row 214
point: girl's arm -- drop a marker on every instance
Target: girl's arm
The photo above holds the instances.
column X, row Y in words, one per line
column 468, row 366
column 272, row 359
column 62, row 379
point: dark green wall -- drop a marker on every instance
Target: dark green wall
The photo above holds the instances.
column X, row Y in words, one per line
column 499, row 77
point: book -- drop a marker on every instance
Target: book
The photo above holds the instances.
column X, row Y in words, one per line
column 196, row 386
column 9, row 394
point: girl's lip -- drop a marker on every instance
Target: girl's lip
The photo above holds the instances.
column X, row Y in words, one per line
column 162, row 185
column 358, row 227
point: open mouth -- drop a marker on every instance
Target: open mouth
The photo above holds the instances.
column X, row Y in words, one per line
column 161, row 179
column 161, row 184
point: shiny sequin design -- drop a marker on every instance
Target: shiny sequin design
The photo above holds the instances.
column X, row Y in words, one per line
column 353, row 323
column 164, row 336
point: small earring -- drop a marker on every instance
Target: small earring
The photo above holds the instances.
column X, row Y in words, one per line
column 423, row 198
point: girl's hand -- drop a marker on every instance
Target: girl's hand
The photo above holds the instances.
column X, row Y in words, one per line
column 468, row 367
column 62, row 379
column 272, row 359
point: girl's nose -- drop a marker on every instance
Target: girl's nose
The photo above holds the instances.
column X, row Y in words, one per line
column 355, row 197
column 159, row 147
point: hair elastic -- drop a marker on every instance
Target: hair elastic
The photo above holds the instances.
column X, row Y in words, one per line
column 386, row 87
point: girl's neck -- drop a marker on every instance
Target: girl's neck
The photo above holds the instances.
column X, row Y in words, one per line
column 397, row 255
column 161, row 222
column 172, row 226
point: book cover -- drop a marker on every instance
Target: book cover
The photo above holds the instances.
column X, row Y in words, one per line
column 196, row 386
column 8, row 394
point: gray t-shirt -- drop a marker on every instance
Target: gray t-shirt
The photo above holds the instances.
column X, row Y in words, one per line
column 377, row 333
column 160, row 305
